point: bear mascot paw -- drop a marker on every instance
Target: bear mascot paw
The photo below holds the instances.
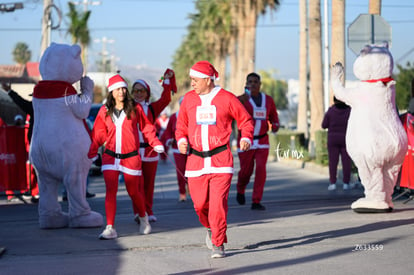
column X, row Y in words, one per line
column 60, row 140
column 375, row 138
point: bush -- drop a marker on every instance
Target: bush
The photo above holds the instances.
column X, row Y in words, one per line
column 321, row 147
column 287, row 144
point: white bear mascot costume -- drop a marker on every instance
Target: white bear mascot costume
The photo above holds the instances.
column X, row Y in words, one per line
column 60, row 141
column 375, row 138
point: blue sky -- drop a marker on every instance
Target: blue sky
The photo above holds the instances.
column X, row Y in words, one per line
column 147, row 32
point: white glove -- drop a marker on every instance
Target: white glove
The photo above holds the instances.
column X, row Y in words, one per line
column 86, row 84
column 337, row 71
column 159, row 149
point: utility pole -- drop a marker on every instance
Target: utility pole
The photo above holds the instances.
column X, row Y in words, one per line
column 46, row 25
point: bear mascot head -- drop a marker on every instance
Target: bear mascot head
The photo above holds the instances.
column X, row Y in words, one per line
column 60, row 139
column 375, row 138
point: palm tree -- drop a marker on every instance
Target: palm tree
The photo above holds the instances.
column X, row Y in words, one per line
column 302, row 123
column 316, row 81
column 78, row 29
column 21, row 53
column 338, row 35
column 245, row 14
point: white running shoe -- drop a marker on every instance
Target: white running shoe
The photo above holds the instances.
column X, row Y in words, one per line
column 109, row 233
column 144, row 225
column 332, row 187
column 152, row 218
column 345, row 186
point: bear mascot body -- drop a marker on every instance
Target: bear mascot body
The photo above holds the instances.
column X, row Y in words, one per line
column 60, row 141
column 375, row 138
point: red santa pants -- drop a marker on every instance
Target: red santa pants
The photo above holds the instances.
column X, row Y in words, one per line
column 210, row 196
column 247, row 161
column 180, row 162
column 132, row 186
column 149, row 171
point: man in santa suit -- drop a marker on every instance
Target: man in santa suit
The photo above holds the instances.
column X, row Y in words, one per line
column 204, row 129
column 141, row 93
column 263, row 110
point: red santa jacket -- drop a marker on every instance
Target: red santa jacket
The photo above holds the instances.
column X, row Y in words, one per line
column 121, row 140
column 262, row 115
column 407, row 175
column 169, row 134
column 152, row 111
column 205, row 121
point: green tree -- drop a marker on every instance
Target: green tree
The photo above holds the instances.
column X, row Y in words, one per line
column 277, row 89
column 403, row 87
column 222, row 31
column 78, row 29
column 21, row 53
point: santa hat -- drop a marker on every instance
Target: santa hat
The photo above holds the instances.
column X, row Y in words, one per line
column 116, row 82
column 203, row 69
column 145, row 85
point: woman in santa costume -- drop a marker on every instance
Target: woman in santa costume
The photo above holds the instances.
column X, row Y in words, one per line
column 263, row 110
column 204, row 129
column 180, row 159
column 407, row 168
column 141, row 93
column 116, row 127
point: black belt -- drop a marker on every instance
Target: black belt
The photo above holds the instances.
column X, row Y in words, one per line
column 259, row 137
column 144, row 145
column 207, row 154
column 121, row 156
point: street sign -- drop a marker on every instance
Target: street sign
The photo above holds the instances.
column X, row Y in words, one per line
column 368, row 29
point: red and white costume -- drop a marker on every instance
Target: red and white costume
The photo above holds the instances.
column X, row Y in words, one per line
column 262, row 115
column 120, row 137
column 407, row 168
column 204, row 121
column 180, row 159
column 148, row 155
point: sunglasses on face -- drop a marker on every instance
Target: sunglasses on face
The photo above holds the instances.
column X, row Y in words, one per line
column 139, row 90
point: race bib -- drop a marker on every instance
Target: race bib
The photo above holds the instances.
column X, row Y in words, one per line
column 206, row 115
column 259, row 113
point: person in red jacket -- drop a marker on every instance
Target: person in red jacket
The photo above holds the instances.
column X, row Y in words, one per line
column 180, row 159
column 141, row 92
column 407, row 175
column 262, row 108
column 116, row 127
column 203, row 129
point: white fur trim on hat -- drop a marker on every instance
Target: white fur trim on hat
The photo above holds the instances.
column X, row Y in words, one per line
column 116, row 82
column 194, row 73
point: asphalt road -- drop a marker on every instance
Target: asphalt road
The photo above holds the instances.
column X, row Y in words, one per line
column 306, row 229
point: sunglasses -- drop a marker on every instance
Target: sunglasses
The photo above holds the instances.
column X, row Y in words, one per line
column 138, row 90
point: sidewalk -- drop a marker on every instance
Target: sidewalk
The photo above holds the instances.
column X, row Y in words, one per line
column 305, row 229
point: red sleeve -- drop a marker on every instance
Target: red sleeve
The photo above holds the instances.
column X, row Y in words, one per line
column 273, row 116
column 243, row 118
column 99, row 133
column 165, row 99
column 182, row 122
column 146, row 127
